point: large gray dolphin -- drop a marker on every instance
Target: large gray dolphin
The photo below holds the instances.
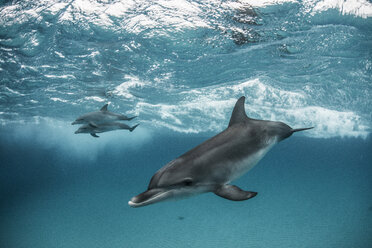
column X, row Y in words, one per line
column 93, row 129
column 212, row 165
column 101, row 116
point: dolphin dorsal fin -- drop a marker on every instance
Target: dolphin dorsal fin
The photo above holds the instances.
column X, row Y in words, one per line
column 104, row 108
column 238, row 115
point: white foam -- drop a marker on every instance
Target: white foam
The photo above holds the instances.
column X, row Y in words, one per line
column 329, row 123
column 95, row 98
column 32, row 68
column 91, row 55
column 60, row 76
column 208, row 109
column 161, row 16
column 256, row 3
column 59, row 54
column 14, row 91
column 119, row 9
column 54, row 8
column 57, row 99
column 361, row 8
column 176, row 14
column 131, row 82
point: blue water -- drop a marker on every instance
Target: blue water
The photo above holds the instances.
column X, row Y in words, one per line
column 180, row 66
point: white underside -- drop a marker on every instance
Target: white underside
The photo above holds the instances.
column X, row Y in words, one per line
column 153, row 199
column 237, row 169
column 241, row 167
column 173, row 194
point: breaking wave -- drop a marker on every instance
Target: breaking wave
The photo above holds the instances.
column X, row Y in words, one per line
column 181, row 65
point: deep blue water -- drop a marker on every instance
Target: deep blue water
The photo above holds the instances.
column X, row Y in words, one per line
column 311, row 193
column 180, row 66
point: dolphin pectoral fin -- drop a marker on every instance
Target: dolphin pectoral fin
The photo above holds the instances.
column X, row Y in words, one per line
column 234, row 193
column 92, row 124
column 126, row 118
column 94, row 135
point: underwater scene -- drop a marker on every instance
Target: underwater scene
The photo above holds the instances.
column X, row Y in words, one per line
column 180, row 123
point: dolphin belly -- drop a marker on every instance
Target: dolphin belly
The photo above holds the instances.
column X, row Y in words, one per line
column 242, row 166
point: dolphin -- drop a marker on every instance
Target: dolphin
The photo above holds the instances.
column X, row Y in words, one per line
column 212, row 165
column 93, row 129
column 101, row 116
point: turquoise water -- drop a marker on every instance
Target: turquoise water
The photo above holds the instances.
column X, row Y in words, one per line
column 180, row 66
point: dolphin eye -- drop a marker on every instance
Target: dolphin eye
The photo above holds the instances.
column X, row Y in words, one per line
column 187, row 182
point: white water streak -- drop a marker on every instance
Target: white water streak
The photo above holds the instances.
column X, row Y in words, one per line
column 208, row 110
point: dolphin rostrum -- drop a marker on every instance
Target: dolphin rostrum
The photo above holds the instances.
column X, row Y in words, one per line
column 212, row 165
column 101, row 116
column 93, row 129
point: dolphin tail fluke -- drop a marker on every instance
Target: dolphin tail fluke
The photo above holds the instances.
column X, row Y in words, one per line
column 234, row 193
column 132, row 128
column 301, row 129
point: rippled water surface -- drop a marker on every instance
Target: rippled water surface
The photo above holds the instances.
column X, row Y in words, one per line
column 292, row 59
column 180, row 66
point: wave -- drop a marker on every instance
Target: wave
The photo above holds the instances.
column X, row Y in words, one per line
column 208, row 109
column 360, row 8
column 138, row 16
column 181, row 65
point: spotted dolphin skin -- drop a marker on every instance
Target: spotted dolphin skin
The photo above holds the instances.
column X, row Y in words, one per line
column 93, row 129
column 211, row 166
column 101, row 116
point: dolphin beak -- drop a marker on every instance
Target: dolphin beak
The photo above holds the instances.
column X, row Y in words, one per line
column 301, row 129
column 149, row 197
column 77, row 131
column 73, row 123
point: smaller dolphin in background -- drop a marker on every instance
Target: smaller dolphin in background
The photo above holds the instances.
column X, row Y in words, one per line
column 100, row 117
column 93, row 129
